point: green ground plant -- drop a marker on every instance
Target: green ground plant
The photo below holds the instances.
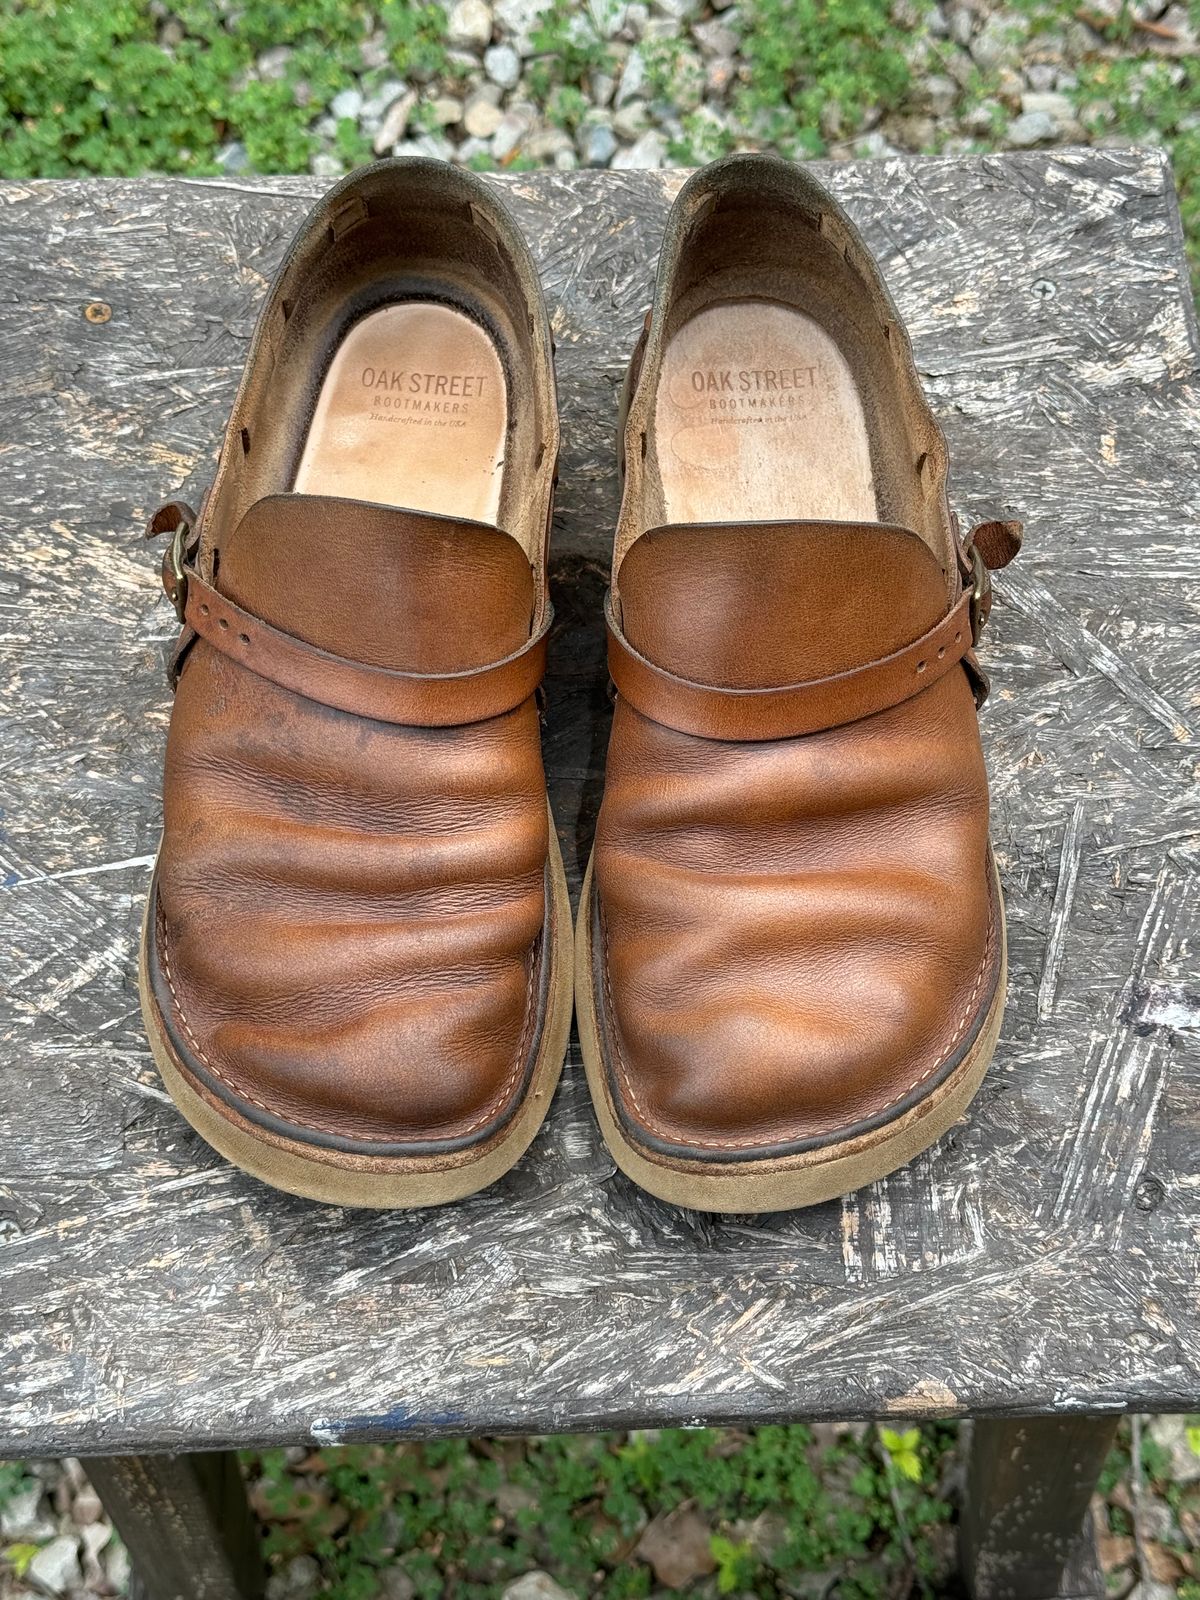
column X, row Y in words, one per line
column 1126, row 91
column 90, row 86
column 813, row 71
column 87, row 88
column 467, row 1517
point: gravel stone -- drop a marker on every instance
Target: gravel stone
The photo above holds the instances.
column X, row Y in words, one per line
column 381, row 98
column 434, row 146
column 938, row 94
column 21, row 1519
column 347, row 104
column 326, row 165
column 518, row 18
column 687, row 82
column 981, row 119
column 636, row 17
column 601, row 88
column 649, row 153
column 374, row 52
column 597, row 144
column 1041, row 76
column 633, row 79
column 394, row 124
column 446, row 110
column 116, row 1567
column 510, row 135
column 629, row 123
column 1055, row 106
column 715, row 37
column 607, row 17
column 722, row 70
column 1157, row 1522
column 87, row 1508
column 994, row 41
column 911, row 133
column 536, row 1586
column 874, row 146
column 1030, row 128
column 56, row 1565
column 546, row 144
column 272, row 65
column 678, row 1546
column 301, row 1576
column 1170, row 1434
column 1010, row 86
column 482, row 115
column 469, row 149
column 395, row 1584
column 470, row 23
column 95, row 1536
column 232, row 157
column 503, row 65
column 960, row 25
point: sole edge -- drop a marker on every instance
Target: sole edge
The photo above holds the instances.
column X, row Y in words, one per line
column 784, row 1183
column 385, row 1183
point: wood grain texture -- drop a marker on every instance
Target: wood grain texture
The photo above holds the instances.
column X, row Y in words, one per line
column 186, row 1523
column 1043, row 1258
column 1029, row 1481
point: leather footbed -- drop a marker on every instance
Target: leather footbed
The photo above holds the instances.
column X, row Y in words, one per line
column 413, row 411
column 758, row 410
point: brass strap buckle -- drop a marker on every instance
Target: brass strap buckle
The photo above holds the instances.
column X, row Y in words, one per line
column 175, row 557
column 981, row 588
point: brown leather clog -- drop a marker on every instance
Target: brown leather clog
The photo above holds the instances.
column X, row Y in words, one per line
column 790, row 951
column 356, row 958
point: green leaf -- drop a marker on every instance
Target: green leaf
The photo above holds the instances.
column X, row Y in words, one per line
column 1193, row 1439
column 19, row 1556
column 910, row 1465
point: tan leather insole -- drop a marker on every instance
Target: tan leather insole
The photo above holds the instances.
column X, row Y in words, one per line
column 758, row 418
column 413, row 412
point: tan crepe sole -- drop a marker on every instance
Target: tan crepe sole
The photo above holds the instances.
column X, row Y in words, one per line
column 786, row 1182
column 345, row 1179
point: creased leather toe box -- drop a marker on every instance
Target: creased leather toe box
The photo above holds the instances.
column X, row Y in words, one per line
column 349, row 916
column 794, row 941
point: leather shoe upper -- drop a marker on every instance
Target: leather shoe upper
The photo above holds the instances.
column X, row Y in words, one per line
column 795, row 933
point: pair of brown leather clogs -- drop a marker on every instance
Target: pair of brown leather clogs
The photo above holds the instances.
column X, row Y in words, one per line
column 358, row 965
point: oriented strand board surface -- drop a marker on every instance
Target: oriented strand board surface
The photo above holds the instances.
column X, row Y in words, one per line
column 1044, row 1257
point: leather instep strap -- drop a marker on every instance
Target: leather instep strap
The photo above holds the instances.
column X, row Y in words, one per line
column 420, row 700
column 713, row 712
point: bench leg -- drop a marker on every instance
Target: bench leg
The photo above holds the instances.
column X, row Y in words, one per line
column 1029, row 1481
column 185, row 1522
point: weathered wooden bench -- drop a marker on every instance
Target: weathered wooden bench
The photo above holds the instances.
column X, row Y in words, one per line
column 1036, row 1271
